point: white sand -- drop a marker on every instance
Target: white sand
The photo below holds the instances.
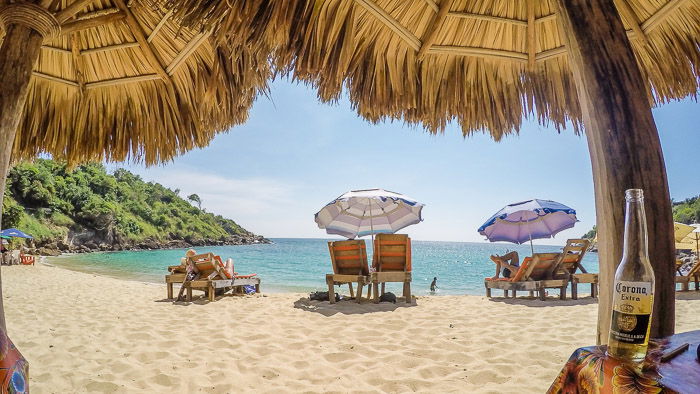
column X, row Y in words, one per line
column 83, row 332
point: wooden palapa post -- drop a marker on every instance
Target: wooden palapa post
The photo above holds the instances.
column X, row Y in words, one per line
column 624, row 147
column 25, row 25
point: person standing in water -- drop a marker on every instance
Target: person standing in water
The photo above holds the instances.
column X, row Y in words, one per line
column 433, row 285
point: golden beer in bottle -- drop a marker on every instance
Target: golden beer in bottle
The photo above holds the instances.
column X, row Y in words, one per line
column 633, row 290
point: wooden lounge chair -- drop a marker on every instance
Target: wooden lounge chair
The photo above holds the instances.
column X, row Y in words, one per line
column 349, row 259
column 392, row 263
column 532, row 271
column 693, row 274
column 210, row 275
column 567, row 265
column 177, row 275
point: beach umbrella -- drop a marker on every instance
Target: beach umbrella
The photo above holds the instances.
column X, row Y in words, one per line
column 14, row 233
column 117, row 80
column 367, row 212
column 681, row 230
column 527, row 220
column 691, row 240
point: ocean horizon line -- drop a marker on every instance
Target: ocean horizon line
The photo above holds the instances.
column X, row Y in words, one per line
column 420, row 240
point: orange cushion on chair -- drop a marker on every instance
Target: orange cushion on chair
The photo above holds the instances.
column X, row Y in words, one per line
column 245, row 276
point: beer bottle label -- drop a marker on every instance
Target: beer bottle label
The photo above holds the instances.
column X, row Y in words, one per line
column 632, row 302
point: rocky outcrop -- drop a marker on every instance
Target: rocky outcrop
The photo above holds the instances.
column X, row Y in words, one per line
column 89, row 241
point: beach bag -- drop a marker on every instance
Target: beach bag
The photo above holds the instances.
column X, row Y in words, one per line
column 388, row 297
column 322, row 296
column 249, row 289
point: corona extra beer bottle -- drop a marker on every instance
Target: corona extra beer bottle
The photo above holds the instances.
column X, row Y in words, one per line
column 633, row 290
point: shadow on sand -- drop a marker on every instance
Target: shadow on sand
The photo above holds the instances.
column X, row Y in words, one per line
column 201, row 299
column 350, row 307
column 586, row 300
column 688, row 295
column 550, row 301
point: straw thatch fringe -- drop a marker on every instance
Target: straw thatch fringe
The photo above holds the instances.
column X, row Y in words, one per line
column 478, row 69
column 264, row 26
column 89, row 104
column 385, row 80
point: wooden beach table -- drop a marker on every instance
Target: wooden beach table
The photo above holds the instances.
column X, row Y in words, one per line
column 589, row 369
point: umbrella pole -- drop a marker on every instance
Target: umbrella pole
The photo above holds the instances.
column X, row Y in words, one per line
column 529, row 234
column 620, row 128
column 371, row 226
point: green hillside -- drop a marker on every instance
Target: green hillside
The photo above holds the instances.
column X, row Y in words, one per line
column 687, row 211
column 89, row 209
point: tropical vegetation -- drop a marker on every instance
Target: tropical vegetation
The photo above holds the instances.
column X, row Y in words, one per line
column 55, row 203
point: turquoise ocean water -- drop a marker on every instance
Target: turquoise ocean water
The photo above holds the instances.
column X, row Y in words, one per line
column 300, row 264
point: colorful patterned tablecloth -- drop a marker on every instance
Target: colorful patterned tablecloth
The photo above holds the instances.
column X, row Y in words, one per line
column 590, row 370
column 14, row 369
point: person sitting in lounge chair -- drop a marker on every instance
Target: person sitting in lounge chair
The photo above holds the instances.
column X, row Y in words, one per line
column 228, row 266
column 509, row 263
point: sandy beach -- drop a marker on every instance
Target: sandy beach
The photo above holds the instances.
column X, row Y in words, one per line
column 88, row 333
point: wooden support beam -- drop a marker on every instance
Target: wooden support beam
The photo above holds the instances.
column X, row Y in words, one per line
column 624, row 147
column 71, row 10
column 56, row 79
column 77, row 60
column 626, row 10
column 531, row 37
column 487, row 18
column 546, row 18
column 159, row 26
column 659, row 15
column 431, row 33
column 83, row 24
column 120, row 81
column 479, row 52
column 191, row 46
column 550, row 53
column 19, row 51
column 391, row 23
column 155, row 61
column 106, row 48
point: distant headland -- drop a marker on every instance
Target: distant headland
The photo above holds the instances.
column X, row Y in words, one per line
column 87, row 209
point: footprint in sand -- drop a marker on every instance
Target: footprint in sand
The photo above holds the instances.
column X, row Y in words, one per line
column 101, row 387
column 339, row 357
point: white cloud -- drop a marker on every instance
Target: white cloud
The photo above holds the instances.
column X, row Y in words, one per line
column 261, row 205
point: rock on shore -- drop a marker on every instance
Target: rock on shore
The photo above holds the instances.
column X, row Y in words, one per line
column 77, row 243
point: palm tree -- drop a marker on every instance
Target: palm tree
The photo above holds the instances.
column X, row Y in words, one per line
column 195, row 198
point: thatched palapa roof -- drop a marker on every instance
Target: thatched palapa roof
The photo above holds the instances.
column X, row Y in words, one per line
column 125, row 81
column 484, row 63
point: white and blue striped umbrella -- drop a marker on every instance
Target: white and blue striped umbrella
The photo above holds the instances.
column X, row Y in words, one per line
column 528, row 220
column 364, row 212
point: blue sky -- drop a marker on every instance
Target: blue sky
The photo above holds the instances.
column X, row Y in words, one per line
column 294, row 155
